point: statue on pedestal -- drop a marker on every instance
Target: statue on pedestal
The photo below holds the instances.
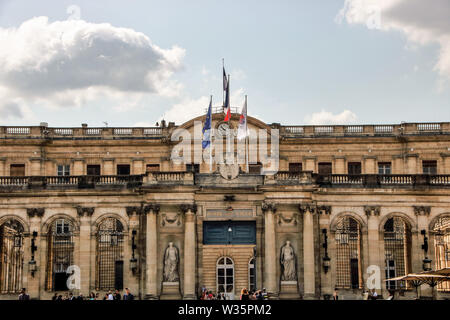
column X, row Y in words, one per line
column 287, row 260
column 171, row 258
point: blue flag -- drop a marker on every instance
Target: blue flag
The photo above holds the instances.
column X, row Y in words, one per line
column 207, row 128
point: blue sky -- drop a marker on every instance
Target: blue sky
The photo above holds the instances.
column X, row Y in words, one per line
column 296, row 62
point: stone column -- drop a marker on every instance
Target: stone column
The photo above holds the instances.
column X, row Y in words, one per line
column 308, row 250
column 84, row 255
column 35, row 215
column 422, row 213
column 324, row 224
column 190, row 257
column 270, row 256
column 132, row 278
column 151, row 252
column 375, row 253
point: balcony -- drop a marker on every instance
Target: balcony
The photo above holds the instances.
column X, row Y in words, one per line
column 379, row 181
column 70, row 182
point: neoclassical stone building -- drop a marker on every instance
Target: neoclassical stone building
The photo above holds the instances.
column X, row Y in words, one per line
column 108, row 204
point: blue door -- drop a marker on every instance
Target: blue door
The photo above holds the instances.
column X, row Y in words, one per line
column 229, row 232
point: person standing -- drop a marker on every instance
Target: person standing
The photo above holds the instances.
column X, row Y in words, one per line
column 128, row 295
column 23, row 294
column 335, row 294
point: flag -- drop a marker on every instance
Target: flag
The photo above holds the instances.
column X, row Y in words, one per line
column 225, row 82
column 227, row 102
column 242, row 128
column 207, row 127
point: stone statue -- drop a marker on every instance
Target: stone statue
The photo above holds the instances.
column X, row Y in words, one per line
column 287, row 260
column 171, row 258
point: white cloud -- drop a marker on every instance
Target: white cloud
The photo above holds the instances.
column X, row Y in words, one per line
column 423, row 22
column 68, row 63
column 327, row 118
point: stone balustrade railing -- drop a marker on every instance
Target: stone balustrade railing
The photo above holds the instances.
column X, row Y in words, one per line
column 375, row 180
column 366, row 130
column 81, row 182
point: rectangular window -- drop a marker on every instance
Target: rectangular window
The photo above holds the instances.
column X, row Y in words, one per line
column 354, row 168
column 384, row 168
column 93, row 170
column 123, row 169
column 295, row 167
column 195, row 168
column 429, row 167
column 17, row 170
column 325, row 168
column 152, row 168
column 63, row 170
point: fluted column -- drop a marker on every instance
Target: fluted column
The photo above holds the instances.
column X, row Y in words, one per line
column 35, row 215
column 308, row 250
column 189, row 250
column 270, row 258
column 151, row 252
column 85, row 215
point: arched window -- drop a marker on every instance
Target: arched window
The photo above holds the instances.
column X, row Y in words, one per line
column 11, row 256
column 59, row 254
column 348, row 254
column 110, row 255
column 442, row 247
column 397, row 239
column 252, row 275
column 225, row 276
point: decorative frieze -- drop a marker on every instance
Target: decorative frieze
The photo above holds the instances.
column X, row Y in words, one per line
column 85, row 211
column 35, row 212
column 422, row 210
column 372, row 210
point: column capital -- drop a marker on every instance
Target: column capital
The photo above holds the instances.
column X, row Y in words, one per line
column 154, row 207
column 186, row 207
column 268, row 206
column 307, row 207
column 324, row 210
column 35, row 212
column 85, row 211
column 422, row 210
column 133, row 210
column 372, row 211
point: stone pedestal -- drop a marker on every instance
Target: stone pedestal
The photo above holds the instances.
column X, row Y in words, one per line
column 170, row 291
column 289, row 290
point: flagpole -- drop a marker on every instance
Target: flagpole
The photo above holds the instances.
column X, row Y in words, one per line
column 210, row 140
column 246, row 135
column 229, row 100
column 223, row 91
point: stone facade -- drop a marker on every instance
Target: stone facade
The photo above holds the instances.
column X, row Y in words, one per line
column 167, row 203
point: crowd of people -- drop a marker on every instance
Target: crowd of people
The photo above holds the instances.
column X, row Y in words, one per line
column 245, row 295
column 110, row 295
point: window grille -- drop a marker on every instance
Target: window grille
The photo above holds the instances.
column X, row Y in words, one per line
column 11, row 256
column 59, row 254
column 397, row 239
column 110, row 241
column 225, row 275
column 348, row 254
